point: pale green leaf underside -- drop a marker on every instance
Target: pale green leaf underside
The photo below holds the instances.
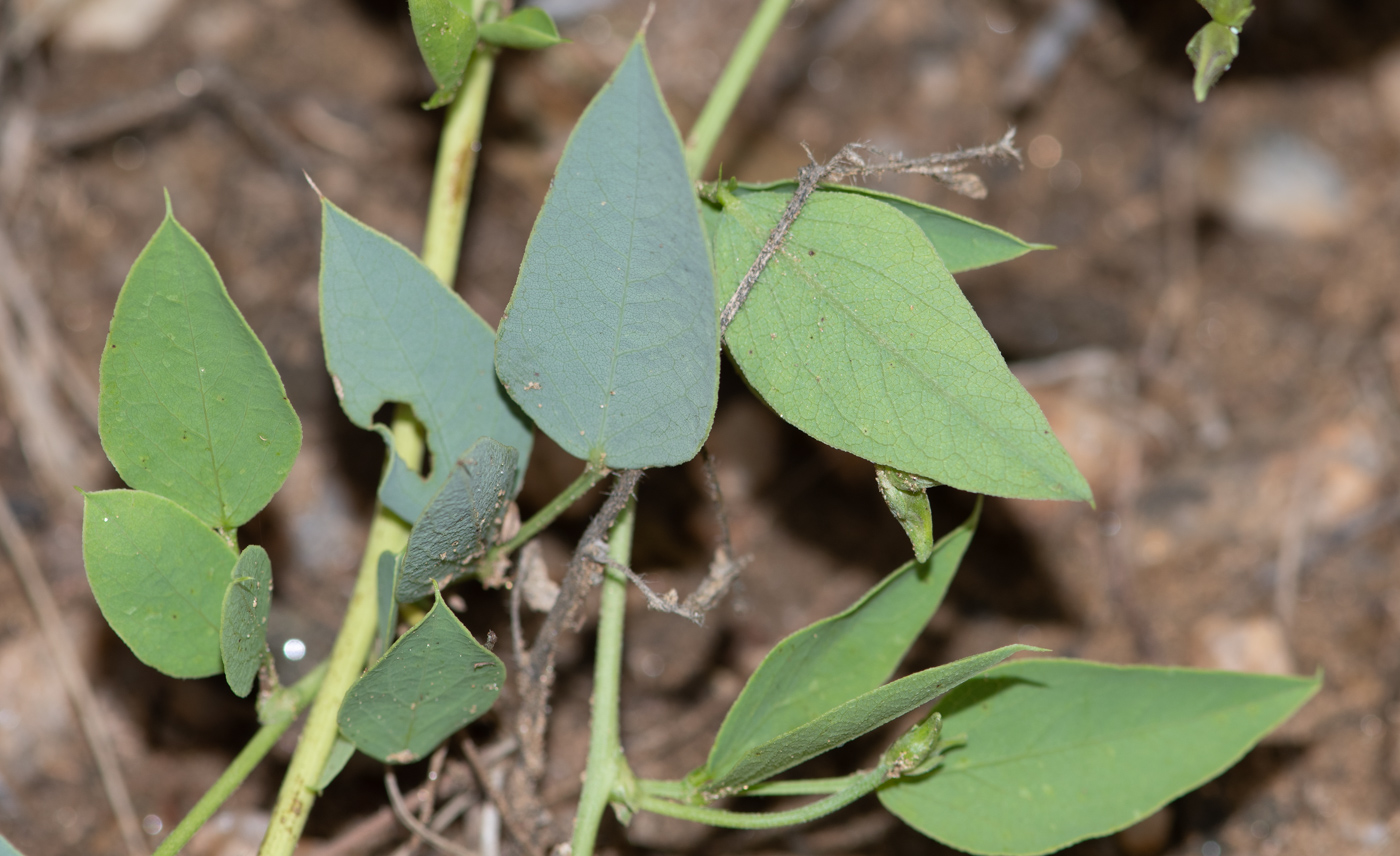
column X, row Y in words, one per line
column 446, row 35
column 907, row 498
column 435, row 679
column 1212, row 50
column 191, row 407
column 610, row 341
column 962, row 243
column 524, row 29
column 1062, row 750
column 857, row 334
column 839, row 658
column 158, row 574
column 461, row 522
column 243, row 630
column 393, row 333
column 858, row 716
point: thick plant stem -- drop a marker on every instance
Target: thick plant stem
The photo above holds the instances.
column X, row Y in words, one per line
column 456, row 164
column 387, row 532
column 606, row 764
column 288, row 705
column 590, row 476
column 704, row 134
column 347, row 661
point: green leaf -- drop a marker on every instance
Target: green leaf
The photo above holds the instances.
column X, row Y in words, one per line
column 962, row 243
column 191, row 407
column 1231, row 13
column 243, row 634
column 907, row 497
column 435, row 679
column 158, row 574
column 1062, row 750
column 446, row 34
column 1212, row 50
column 839, row 658
column 392, row 332
column 857, row 334
column 610, row 341
column 341, row 752
column 859, row 716
column 460, row 523
column 526, row 29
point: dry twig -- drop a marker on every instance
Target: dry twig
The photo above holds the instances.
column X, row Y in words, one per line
column 405, row 816
column 75, row 680
column 538, row 679
column 514, row 823
column 947, row 168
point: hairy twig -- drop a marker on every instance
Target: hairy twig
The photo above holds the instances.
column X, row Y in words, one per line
column 947, row 168
column 405, row 816
column 668, row 602
column 516, row 824
column 538, row 679
column 75, row 680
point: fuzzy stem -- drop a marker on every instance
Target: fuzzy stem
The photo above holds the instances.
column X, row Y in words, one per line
column 605, row 761
column 704, row 134
column 287, row 704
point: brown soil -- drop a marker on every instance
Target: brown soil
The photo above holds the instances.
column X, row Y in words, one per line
column 1225, row 370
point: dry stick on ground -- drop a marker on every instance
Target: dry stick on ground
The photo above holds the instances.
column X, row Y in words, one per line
column 537, row 681
column 401, row 811
column 425, row 811
column 216, row 85
column 514, row 823
column 70, row 671
column 946, row 168
column 53, row 452
column 371, row 833
column 46, row 349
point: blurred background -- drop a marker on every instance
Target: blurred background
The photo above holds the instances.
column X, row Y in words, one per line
column 1216, row 341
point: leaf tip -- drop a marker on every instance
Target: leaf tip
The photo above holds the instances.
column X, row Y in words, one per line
column 309, row 181
column 169, row 209
column 646, row 21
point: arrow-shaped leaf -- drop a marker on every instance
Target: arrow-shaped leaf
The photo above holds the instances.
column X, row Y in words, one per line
column 610, row 341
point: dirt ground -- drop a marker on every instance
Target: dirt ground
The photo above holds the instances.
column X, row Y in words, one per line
column 1216, row 341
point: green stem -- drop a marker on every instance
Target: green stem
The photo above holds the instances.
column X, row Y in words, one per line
column 347, row 661
column 704, row 134
column 286, row 704
column 670, row 789
column 456, row 165
column 590, row 476
column 606, row 765
column 857, row 786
